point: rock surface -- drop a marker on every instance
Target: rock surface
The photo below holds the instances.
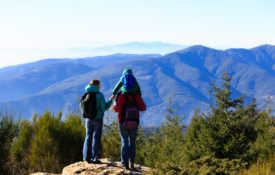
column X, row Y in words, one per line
column 44, row 174
column 107, row 167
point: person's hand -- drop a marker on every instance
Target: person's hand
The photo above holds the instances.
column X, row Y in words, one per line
column 112, row 108
column 113, row 97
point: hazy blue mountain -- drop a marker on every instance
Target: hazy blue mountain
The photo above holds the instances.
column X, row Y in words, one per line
column 94, row 62
column 103, row 61
column 11, row 70
column 35, row 79
column 132, row 47
column 184, row 75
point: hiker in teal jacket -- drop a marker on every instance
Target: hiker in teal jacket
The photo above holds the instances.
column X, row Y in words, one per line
column 94, row 126
column 122, row 84
column 102, row 105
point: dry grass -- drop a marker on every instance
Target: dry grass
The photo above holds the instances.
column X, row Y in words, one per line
column 261, row 168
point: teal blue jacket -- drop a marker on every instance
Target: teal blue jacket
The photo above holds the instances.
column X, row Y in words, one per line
column 102, row 105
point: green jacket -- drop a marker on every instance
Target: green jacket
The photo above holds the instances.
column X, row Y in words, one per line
column 135, row 89
column 102, row 105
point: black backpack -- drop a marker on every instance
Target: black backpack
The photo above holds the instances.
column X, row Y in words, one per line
column 130, row 114
column 88, row 105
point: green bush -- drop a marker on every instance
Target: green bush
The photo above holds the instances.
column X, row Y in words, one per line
column 205, row 166
column 20, row 152
column 72, row 142
column 111, row 141
column 8, row 131
column 265, row 142
column 48, row 144
column 45, row 149
column 56, row 143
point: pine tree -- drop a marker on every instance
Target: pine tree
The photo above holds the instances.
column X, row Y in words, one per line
column 163, row 147
column 193, row 147
column 172, row 133
column 226, row 132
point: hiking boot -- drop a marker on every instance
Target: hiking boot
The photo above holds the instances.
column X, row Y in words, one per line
column 132, row 166
column 97, row 162
column 88, row 161
column 125, row 166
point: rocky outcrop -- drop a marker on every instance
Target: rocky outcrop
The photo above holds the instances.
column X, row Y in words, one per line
column 107, row 167
column 44, row 174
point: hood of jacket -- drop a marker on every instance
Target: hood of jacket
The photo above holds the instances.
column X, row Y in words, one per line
column 91, row 88
column 127, row 71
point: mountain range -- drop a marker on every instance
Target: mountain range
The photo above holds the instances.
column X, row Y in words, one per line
column 131, row 47
column 183, row 76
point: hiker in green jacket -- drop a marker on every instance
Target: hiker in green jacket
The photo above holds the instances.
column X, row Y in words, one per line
column 127, row 83
column 94, row 126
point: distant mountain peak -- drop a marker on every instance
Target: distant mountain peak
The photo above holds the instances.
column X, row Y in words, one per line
column 196, row 49
column 199, row 47
column 139, row 43
column 137, row 47
column 264, row 47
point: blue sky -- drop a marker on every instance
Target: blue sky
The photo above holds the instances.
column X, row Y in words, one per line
column 36, row 29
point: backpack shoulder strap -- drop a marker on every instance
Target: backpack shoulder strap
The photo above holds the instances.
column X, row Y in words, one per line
column 93, row 93
column 134, row 99
column 133, row 96
column 126, row 98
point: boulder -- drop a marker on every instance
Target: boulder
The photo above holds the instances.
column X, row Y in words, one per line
column 40, row 173
column 106, row 167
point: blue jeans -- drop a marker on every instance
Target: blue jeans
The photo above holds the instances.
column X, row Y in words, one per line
column 92, row 139
column 128, row 145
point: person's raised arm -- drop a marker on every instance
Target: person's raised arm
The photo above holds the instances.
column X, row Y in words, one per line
column 118, row 86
